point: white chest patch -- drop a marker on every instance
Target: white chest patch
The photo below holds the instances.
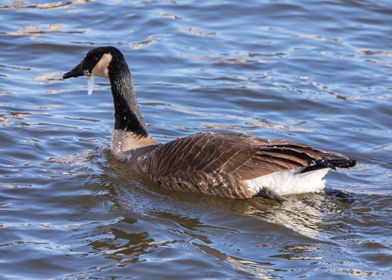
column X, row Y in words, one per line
column 290, row 182
column 124, row 141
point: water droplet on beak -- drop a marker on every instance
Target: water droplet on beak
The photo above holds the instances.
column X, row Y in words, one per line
column 90, row 85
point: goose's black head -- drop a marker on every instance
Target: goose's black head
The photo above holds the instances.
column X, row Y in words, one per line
column 97, row 62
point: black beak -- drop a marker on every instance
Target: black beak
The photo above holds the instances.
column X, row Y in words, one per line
column 75, row 72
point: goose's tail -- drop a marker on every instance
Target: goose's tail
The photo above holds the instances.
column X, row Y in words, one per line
column 333, row 163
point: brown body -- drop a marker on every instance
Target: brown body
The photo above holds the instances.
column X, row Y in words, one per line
column 221, row 164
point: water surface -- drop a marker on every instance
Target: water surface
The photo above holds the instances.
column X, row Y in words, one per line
column 317, row 72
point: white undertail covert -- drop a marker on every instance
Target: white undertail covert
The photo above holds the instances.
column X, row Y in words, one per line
column 290, row 182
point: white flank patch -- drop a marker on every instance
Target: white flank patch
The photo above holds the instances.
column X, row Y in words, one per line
column 90, row 85
column 290, row 182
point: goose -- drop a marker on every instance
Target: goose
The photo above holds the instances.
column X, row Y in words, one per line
column 231, row 165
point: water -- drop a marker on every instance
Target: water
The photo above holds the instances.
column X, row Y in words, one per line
column 318, row 72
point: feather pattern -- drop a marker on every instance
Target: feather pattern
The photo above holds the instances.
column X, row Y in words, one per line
column 223, row 163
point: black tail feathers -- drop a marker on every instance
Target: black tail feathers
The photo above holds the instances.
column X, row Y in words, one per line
column 332, row 163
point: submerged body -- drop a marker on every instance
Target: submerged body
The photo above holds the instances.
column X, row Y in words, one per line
column 220, row 164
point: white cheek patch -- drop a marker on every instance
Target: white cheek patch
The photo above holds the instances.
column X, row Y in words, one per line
column 101, row 69
column 90, row 85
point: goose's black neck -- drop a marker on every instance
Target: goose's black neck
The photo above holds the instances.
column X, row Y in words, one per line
column 126, row 110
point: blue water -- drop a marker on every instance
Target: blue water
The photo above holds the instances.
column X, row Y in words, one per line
column 317, row 72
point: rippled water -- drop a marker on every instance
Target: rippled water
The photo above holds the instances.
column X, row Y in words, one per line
column 318, row 72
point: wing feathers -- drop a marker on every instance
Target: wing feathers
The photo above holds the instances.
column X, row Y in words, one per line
column 238, row 156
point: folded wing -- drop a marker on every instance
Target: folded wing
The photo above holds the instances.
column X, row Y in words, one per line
column 206, row 161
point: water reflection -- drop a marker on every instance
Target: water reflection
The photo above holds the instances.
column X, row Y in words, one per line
column 183, row 218
column 260, row 270
column 226, row 60
column 268, row 68
column 142, row 44
column 43, row 6
column 317, row 218
column 53, row 76
column 198, row 32
column 123, row 246
column 36, row 31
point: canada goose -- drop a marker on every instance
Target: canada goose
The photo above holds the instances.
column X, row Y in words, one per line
column 221, row 164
